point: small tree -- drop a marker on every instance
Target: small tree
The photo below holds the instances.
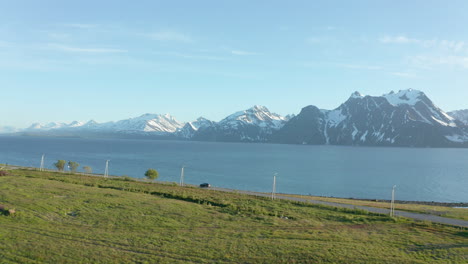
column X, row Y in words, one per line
column 73, row 165
column 87, row 169
column 151, row 174
column 60, row 164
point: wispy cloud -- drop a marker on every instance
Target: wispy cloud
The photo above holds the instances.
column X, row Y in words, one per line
column 169, row 35
column 82, row 26
column 455, row 46
column 404, row 74
column 243, row 52
column 398, row 39
column 359, row 66
column 84, row 50
column 316, row 40
column 58, row 36
column 428, row 62
column 192, row 56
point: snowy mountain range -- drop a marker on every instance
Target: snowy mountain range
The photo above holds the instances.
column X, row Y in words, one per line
column 405, row 118
column 147, row 123
column 255, row 124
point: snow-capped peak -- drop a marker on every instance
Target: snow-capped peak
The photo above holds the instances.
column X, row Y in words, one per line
column 200, row 122
column 409, row 97
column 149, row 123
column 91, row 123
column 75, row 124
column 48, row 126
column 356, row 94
column 256, row 115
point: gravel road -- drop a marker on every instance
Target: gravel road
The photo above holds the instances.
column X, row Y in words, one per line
column 416, row 216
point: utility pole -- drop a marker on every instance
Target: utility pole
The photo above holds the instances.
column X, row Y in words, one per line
column 392, row 203
column 106, row 171
column 273, row 191
column 181, row 183
column 41, row 168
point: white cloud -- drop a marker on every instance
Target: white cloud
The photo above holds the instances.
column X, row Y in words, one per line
column 242, row 52
column 315, row 40
column 191, row 56
column 454, row 46
column 428, row 62
column 85, row 50
column 404, row 74
column 169, row 35
column 360, row 66
column 398, row 40
column 58, row 36
column 82, row 26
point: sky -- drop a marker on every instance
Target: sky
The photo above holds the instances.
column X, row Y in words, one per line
column 111, row 60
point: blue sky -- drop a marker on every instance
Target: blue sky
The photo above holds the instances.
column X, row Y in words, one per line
column 110, row 60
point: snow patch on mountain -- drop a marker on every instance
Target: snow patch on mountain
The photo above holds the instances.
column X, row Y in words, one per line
column 200, row 122
column 147, row 123
column 46, row 127
column 190, row 128
column 258, row 115
column 457, row 138
column 144, row 123
column 335, row 117
column 356, row 95
column 460, row 115
column 76, row 124
column 409, row 97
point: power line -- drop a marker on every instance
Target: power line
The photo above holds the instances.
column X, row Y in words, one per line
column 41, row 168
column 273, row 191
column 392, row 203
column 181, row 183
column 106, row 171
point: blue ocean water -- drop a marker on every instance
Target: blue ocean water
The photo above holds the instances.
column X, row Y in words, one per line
column 422, row 174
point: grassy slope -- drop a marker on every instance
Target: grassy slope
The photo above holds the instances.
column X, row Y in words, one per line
column 65, row 218
column 457, row 213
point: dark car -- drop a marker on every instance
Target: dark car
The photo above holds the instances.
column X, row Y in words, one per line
column 205, row 185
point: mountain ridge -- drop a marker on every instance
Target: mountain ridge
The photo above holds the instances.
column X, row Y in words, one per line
column 404, row 118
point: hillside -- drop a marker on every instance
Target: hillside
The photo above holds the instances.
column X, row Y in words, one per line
column 75, row 218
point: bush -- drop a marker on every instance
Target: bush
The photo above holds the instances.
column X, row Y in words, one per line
column 60, row 165
column 4, row 173
column 151, row 174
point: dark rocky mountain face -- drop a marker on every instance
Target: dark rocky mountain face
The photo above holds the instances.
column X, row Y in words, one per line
column 407, row 118
column 305, row 128
column 460, row 115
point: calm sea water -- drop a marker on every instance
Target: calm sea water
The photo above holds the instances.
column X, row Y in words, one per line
column 359, row 172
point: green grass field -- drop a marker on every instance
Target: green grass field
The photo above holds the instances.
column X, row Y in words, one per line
column 65, row 218
column 456, row 213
